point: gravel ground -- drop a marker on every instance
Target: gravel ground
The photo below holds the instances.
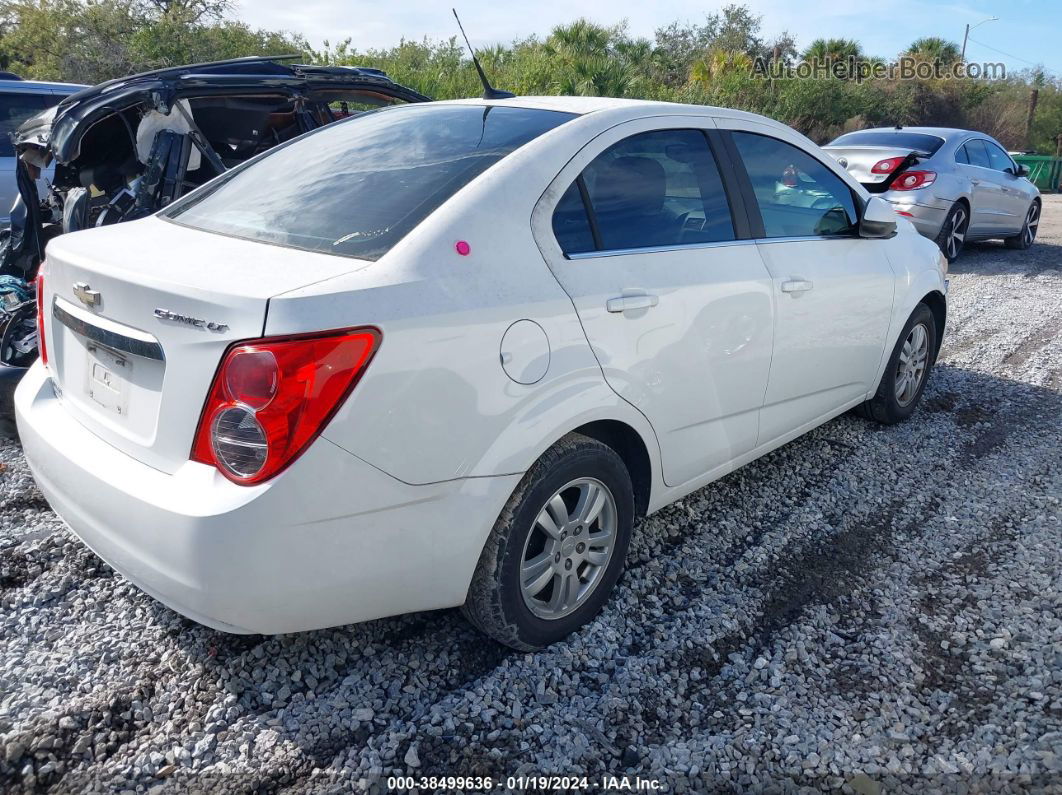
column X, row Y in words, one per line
column 868, row 609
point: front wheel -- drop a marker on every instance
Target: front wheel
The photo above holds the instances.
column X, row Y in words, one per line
column 557, row 549
column 1027, row 236
column 908, row 369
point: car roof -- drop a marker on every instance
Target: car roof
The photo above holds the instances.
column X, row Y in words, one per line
column 37, row 87
column 633, row 108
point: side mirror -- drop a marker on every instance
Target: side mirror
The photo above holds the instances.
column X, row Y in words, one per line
column 879, row 219
column 1023, row 170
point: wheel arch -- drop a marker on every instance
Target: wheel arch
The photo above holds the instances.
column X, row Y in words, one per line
column 938, row 305
column 630, row 447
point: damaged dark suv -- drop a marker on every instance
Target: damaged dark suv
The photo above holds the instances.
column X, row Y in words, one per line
column 127, row 148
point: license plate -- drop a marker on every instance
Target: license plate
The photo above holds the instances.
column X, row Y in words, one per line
column 108, row 376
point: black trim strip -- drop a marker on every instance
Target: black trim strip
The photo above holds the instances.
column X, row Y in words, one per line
column 739, row 215
column 591, row 216
column 752, row 206
column 111, row 339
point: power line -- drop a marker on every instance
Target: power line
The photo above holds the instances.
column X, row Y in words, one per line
column 993, row 49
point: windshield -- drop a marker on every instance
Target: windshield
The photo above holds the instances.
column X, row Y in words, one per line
column 357, row 187
column 920, row 142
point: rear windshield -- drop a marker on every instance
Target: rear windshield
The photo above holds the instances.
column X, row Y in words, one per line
column 357, row 187
column 920, row 142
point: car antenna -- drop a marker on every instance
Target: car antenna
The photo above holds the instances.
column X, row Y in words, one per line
column 489, row 91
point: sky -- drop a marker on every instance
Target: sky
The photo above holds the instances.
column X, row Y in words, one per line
column 1027, row 33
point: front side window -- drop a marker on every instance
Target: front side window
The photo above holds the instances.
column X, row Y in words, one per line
column 357, row 187
column 651, row 190
column 798, row 196
column 15, row 108
column 999, row 159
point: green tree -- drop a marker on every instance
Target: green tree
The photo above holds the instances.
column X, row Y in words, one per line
column 934, row 50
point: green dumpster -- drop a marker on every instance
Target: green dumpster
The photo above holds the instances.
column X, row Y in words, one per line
column 1044, row 171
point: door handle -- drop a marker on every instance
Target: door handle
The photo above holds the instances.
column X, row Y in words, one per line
column 626, row 302
column 796, row 286
column 975, row 182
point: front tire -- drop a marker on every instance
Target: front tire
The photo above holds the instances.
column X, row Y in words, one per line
column 1027, row 236
column 952, row 235
column 908, row 369
column 557, row 549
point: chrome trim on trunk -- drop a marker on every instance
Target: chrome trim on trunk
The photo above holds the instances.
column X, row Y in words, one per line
column 93, row 329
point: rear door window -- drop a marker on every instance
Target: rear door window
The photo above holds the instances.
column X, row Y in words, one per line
column 961, row 156
column 977, row 154
column 651, row 190
column 798, row 196
column 15, row 108
column 357, row 187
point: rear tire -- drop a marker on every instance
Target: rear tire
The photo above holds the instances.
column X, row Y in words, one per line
column 907, row 372
column 1027, row 236
column 952, row 235
column 557, row 549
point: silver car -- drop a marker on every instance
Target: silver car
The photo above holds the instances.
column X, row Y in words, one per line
column 20, row 99
column 953, row 185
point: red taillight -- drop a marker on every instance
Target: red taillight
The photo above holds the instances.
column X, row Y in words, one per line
column 41, row 346
column 271, row 398
column 913, row 180
column 887, row 166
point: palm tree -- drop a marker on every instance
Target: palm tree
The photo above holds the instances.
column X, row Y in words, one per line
column 934, row 49
column 718, row 63
column 829, row 50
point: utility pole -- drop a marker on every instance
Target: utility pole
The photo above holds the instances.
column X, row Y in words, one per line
column 966, row 35
column 1034, row 96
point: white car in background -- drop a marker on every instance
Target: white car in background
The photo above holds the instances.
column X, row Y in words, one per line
column 445, row 354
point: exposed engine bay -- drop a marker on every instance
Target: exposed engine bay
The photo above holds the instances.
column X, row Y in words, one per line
column 127, row 148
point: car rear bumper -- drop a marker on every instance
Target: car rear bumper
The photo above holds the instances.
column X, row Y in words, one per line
column 926, row 213
column 330, row 541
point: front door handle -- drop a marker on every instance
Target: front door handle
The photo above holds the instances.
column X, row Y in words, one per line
column 796, row 286
column 626, row 302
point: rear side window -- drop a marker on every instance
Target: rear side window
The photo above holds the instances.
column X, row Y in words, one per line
column 798, row 196
column 961, row 156
column 651, row 190
column 15, row 109
column 920, row 142
column 977, row 154
column 357, row 187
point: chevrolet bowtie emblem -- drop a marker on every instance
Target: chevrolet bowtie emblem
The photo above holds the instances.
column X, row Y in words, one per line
column 87, row 295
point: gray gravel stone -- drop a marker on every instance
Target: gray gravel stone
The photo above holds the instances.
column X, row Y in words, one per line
column 865, row 610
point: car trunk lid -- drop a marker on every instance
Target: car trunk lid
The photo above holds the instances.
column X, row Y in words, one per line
column 139, row 315
column 860, row 162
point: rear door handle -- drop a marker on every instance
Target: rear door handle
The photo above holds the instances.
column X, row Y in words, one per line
column 796, row 286
column 626, row 302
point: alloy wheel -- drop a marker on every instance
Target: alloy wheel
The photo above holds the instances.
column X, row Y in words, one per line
column 956, row 233
column 1031, row 222
column 911, row 368
column 568, row 549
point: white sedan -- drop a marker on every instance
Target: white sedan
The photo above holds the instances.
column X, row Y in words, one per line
column 446, row 354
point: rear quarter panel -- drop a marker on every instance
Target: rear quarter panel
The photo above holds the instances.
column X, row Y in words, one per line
column 436, row 403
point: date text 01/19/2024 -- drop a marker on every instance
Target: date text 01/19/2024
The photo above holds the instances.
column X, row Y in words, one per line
column 525, row 783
